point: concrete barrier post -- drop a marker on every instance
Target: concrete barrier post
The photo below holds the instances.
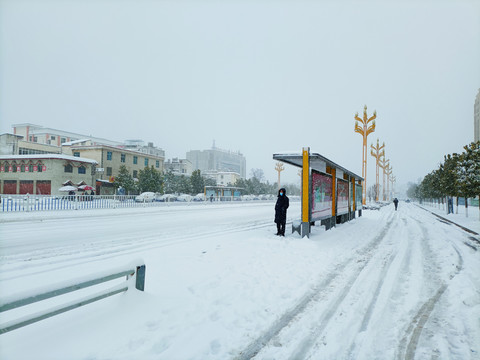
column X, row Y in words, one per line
column 140, row 279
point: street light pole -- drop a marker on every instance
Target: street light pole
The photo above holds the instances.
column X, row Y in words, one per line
column 388, row 172
column 384, row 164
column 365, row 129
column 377, row 152
column 279, row 167
column 393, row 179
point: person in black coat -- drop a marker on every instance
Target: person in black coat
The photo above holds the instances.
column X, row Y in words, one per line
column 395, row 201
column 281, row 211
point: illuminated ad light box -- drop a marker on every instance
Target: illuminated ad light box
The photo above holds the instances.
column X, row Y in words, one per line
column 342, row 197
column 321, row 196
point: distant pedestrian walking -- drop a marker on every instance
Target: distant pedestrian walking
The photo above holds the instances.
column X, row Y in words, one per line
column 395, row 201
column 211, row 198
column 450, row 205
column 281, row 211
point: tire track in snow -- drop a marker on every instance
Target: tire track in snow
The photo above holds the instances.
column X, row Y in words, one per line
column 382, row 276
column 103, row 250
column 287, row 318
column 416, row 326
column 305, row 349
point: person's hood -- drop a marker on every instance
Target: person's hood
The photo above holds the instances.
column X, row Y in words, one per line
column 284, row 192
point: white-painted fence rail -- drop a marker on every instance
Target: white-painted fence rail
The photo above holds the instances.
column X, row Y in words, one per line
column 7, row 303
column 28, row 202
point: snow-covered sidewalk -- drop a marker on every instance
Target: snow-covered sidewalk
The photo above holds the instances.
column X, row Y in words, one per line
column 221, row 285
column 471, row 222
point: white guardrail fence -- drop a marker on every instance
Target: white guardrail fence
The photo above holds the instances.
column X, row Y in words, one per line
column 134, row 274
column 78, row 202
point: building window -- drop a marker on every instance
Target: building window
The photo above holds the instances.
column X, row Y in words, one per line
column 68, row 168
column 76, row 154
column 146, row 161
column 40, row 167
column 135, row 160
column 35, row 139
column 109, row 171
column 135, row 174
column 82, row 170
column 157, row 164
column 44, row 187
column 52, row 137
column 63, row 140
column 122, row 158
column 25, row 151
column 109, row 155
column 10, row 187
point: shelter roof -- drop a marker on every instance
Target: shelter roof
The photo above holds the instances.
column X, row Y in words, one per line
column 317, row 162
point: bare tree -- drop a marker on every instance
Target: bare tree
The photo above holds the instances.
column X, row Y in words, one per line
column 257, row 174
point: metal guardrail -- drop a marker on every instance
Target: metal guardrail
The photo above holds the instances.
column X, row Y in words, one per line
column 11, row 304
column 21, row 203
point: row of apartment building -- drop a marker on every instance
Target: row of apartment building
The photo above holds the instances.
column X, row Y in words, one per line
column 39, row 160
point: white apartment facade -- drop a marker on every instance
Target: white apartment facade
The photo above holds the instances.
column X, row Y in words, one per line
column 218, row 160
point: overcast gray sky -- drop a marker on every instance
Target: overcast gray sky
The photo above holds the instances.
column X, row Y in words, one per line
column 259, row 76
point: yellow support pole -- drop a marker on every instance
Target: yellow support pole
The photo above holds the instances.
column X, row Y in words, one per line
column 305, row 184
column 305, row 226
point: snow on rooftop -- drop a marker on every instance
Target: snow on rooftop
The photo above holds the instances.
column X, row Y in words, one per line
column 68, row 143
column 47, row 156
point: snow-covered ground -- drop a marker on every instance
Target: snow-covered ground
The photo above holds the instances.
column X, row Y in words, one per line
column 470, row 218
column 221, row 285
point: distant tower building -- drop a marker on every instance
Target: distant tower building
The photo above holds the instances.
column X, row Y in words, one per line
column 476, row 117
column 216, row 159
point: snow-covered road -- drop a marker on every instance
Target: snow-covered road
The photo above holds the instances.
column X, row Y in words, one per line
column 220, row 285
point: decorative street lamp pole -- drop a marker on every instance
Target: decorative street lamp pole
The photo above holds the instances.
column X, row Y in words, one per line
column 388, row 172
column 365, row 129
column 384, row 164
column 377, row 152
column 279, row 167
column 393, row 179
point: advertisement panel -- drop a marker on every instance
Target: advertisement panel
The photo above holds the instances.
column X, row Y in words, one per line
column 358, row 197
column 342, row 197
column 321, row 198
column 350, row 191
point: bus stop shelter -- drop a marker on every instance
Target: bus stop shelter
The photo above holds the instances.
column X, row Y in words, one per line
column 222, row 193
column 330, row 193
